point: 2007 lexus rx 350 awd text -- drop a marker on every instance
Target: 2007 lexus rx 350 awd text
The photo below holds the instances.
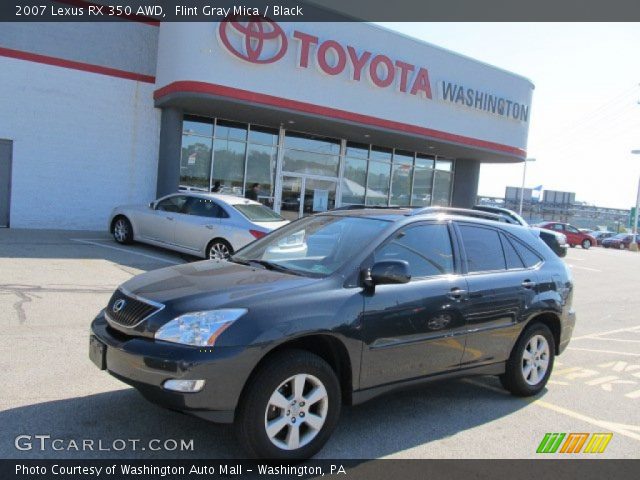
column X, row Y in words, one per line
column 336, row 309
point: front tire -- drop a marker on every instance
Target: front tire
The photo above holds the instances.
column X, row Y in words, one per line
column 531, row 362
column 586, row 244
column 122, row 230
column 290, row 407
column 621, row 246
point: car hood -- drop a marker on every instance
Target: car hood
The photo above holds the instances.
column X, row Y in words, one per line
column 210, row 283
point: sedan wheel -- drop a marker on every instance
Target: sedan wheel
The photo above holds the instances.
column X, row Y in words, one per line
column 122, row 231
column 219, row 250
column 621, row 247
column 586, row 244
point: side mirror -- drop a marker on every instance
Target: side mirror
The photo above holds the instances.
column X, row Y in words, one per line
column 152, row 205
column 387, row 272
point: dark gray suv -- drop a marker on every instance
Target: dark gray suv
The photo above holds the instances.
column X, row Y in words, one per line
column 336, row 309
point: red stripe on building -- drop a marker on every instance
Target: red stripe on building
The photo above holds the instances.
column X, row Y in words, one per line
column 134, row 18
column 85, row 67
column 262, row 99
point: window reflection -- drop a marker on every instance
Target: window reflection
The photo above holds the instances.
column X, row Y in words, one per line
column 378, row 183
column 354, row 181
column 195, row 161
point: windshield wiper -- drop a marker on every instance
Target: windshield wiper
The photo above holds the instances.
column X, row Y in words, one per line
column 274, row 266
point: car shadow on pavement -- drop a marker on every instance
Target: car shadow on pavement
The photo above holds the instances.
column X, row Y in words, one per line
column 383, row 426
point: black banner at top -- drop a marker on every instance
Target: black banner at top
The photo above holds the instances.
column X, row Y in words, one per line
column 155, row 11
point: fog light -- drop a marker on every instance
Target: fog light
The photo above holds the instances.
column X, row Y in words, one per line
column 184, row 385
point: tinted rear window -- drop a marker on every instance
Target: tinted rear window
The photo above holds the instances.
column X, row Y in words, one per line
column 258, row 213
column 483, row 249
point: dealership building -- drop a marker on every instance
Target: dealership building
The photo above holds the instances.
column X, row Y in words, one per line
column 320, row 115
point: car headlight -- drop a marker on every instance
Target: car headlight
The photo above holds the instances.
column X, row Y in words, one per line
column 200, row 329
column 562, row 239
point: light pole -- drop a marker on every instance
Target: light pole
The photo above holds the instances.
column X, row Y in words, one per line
column 524, row 177
column 633, row 245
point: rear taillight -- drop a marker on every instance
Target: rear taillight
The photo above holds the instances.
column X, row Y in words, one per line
column 257, row 233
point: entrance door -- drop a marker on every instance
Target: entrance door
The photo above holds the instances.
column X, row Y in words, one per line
column 304, row 195
column 6, row 148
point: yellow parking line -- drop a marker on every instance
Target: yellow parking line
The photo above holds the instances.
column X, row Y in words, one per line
column 591, row 335
column 626, row 354
column 619, row 428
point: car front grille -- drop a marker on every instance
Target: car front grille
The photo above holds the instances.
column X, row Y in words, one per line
column 128, row 311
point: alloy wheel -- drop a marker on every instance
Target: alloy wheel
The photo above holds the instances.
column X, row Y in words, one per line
column 296, row 412
column 121, row 230
column 535, row 360
column 219, row 251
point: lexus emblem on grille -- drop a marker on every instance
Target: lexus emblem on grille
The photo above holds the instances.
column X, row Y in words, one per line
column 118, row 305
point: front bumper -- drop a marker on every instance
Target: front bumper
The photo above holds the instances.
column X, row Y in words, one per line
column 146, row 364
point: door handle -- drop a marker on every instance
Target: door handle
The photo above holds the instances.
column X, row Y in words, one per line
column 169, row 218
column 456, row 294
column 210, row 227
column 528, row 284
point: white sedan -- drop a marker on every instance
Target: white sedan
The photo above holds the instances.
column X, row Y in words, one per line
column 206, row 225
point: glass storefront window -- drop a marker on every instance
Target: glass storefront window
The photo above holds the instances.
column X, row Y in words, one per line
column 445, row 165
column 310, row 163
column 360, row 150
column 380, row 153
column 442, row 188
column 261, row 168
column 422, row 181
column 354, row 181
column 195, row 161
column 263, row 136
column 378, row 183
column 192, row 125
column 401, row 184
column 310, row 143
column 228, row 166
column 231, row 130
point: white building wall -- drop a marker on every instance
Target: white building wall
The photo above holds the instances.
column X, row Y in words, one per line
column 83, row 143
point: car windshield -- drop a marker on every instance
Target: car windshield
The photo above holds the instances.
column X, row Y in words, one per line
column 313, row 246
column 258, row 213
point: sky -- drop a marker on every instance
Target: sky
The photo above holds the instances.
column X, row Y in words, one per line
column 585, row 115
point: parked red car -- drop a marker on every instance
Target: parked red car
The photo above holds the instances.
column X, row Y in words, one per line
column 574, row 236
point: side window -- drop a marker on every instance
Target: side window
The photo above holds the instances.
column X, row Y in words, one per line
column 571, row 229
column 483, row 249
column 529, row 258
column 427, row 249
column 203, row 207
column 172, row 204
column 558, row 227
column 510, row 255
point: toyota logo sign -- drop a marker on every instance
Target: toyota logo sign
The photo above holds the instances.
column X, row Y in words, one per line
column 259, row 41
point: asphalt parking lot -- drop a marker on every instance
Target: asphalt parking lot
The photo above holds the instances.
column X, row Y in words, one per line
column 53, row 283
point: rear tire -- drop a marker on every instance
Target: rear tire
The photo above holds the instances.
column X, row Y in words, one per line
column 219, row 249
column 586, row 244
column 531, row 362
column 621, row 246
column 122, row 230
column 290, row 407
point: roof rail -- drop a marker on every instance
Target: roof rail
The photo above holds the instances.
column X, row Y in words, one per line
column 466, row 212
column 360, row 206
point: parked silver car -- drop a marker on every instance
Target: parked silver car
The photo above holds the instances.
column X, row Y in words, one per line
column 202, row 224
